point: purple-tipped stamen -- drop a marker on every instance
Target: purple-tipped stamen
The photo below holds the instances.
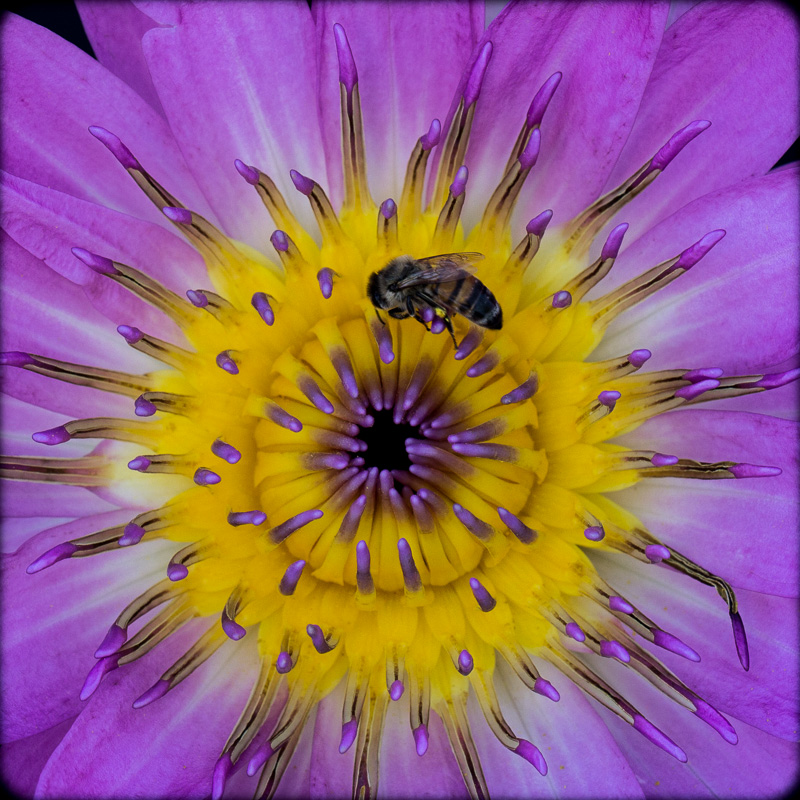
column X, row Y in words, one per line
column 472, row 90
column 663, row 460
column 197, row 297
column 224, row 361
column 691, row 255
column 611, row 648
column 132, row 534
column 325, row 281
column 348, row 75
column 282, row 531
column 115, row 146
column 525, row 534
column 143, row 407
column 283, row 418
column 638, row 357
column 155, row 692
column 484, row 364
column 226, row 452
column 396, row 690
column 546, row 689
column 421, row 739
column 180, row 216
column 112, row 641
column 694, row 390
column 411, row 576
column 260, row 757
column 774, row 380
column 524, row 391
column 460, row 181
column 290, row 578
column 573, row 630
column 364, row 580
column 541, row 100
column 594, row 533
column 220, row 775
column 100, row 264
column 177, row 572
column 740, row 640
column 649, row 731
column 465, row 662
column 233, row 630
column 608, row 398
column 283, row 663
column 96, row 674
column 562, row 299
column 532, row 755
column 250, row 174
column 388, row 208
column 676, row 143
column 205, row 477
column 614, row 242
column 475, row 526
column 318, row 639
column 527, row 158
column 754, row 471
column 349, row 731
column 130, row 334
column 303, row 184
column 468, row 343
column 139, row 464
column 656, row 552
column 52, row 556
column 617, row 603
column 236, row 518
column 674, row 645
column 538, row 225
column 280, row 241
column 482, row 596
column 16, row 358
column 697, row 375
column 430, row 139
column 260, row 303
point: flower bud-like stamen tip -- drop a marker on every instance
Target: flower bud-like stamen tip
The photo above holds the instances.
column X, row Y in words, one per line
column 143, row 407
column 318, row 639
column 115, row 146
column 388, row 208
column 472, row 90
column 613, row 649
column 225, row 451
column 616, row 603
column 525, row 534
column 676, row 143
column 290, row 578
column 221, row 770
column 16, row 358
column 250, row 174
column 197, row 297
column 573, row 630
column 546, row 689
column 348, row 75
column 542, row 100
column 712, row 717
column 112, row 641
column 614, row 242
column 754, row 471
column 482, row 596
column 421, row 739
column 349, row 731
column 740, row 640
column 524, row 391
column 325, row 280
column 52, row 436
column 52, row 556
column 532, row 755
column 674, row 645
column 96, row 674
column 694, row 390
column 156, row 691
column 224, row 361
column 206, row 477
column 139, row 464
column 430, row 139
column 662, row 460
column 100, row 264
column 649, row 731
column 465, row 662
column 283, row 663
column 260, row 303
column 527, row 158
column 177, row 572
column 130, row 334
column 396, row 690
column 638, row 357
column 608, row 398
column 259, row 757
column 562, row 299
column 594, row 533
column 468, row 343
column 411, row 576
column 233, row 630
column 280, row 241
column 777, row 379
column 460, row 181
column 656, row 552
column 691, row 255
column 303, row 184
column 180, row 216
column 538, row 225
column 256, row 518
column 133, row 534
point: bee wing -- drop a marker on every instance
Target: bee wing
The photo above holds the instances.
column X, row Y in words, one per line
column 444, row 268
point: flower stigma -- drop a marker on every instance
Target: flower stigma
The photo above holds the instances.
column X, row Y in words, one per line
column 387, row 509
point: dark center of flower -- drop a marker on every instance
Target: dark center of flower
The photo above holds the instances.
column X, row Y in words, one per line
column 386, row 442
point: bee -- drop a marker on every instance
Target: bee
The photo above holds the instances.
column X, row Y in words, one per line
column 406, row 286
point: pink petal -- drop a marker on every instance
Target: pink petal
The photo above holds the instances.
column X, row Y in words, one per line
column 737, row 308
column 254, row 64
column 605, row 53
column 170, row 746
column 17, row 530
column 70, row 159
column 115, row 29
column 735, row 528
column 409, row 57
column 766, row 696
column 732, row 64
column 59, row 618
column 49, row 224
column 583, row 759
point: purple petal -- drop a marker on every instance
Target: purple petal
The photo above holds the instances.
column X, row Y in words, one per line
column 21, row 761
column 735, row 528
column 753, row 269
column 735, row 65
column 409, row 57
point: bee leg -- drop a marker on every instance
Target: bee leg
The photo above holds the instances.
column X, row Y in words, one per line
column 449, row 325
column 378, row 314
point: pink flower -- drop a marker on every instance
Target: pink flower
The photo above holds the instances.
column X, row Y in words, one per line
column 285, row 529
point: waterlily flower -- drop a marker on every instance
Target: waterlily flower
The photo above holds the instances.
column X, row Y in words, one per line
column 517, row 522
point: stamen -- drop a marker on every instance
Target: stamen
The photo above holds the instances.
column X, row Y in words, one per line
column 256, row 518
column 524, row 391
column 261, row 304
column 523, row 254
column 98, row 428
column 226, row 361
column 206, row 477
column 165, row 352
column 411, row 576
column 225, row 451
column 592, row 275
column 321, row 643
column 281, row 532
column 482, row 596
column 90, row 545
column 525, row 534
column 447, row 220
column 532, row 755
column 291, row 577
column 562, row 299
column 364, row 582
column 387, row 226
column 85, row 471
column 325, row 280
column 282, row 418
column 411, row 198
column 465, row 662
column 326, row 217
column 383, row 337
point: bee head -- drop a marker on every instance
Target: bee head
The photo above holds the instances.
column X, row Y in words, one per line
column 376, row 290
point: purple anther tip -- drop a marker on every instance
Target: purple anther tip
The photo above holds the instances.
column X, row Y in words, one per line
column 115, row 146
column 52, row 436
column 532, row 755
column 614, row 242
column 617, row 603
column 220, row 775
column 325, row 281
column 649, row 731
column 538, row 225
column 100, row 264
column 573, row 630
column 236, row 518
column 112, row 641
column 177, row 572
column 250, row 174
column 132, row 534
column 197, row 297
column 130, row 334
column 527, row 158
column 206, row 477
column 224, row 361
column 233, row 630
column 16, row 358
column 778, row 379
column 430, row 139
column 638, row 357
column 259, row 757
column 468, row 343
column 318, row 639
column 546, row 689
column 525, row 534
column 691, row 255
column 475, row 526
column 712, row 717
column 225, row 451
column 388, row 208
column 180, row 216
column 608, row 398
column 542, row 100
column 96, row 674
column 52, row 556
column 283, row 663
column 524, row 391
column 421, row 739
column 302, row 184
column 483, row 365
column 291, row 577
column 753, row 471
column 349, row 731
column 156, row 691
column 396, row 690
column 280, row 241
column 411, row 576
column 594, row 533
column 139, row 464
column 143, row 407
column 613, row 649
column 562, row 299
column 260, row 303
column 678, row 141
column 472, row 90
column 465, row 662
column 656, row 552
column 674, row 645
column 484, row 599
column 362, row 556
column 460, row 181
column 348, row 75
column 662, row 460
column 280, row 532
column 694, row 390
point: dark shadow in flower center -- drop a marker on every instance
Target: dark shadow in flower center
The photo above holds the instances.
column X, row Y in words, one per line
column 385, row 440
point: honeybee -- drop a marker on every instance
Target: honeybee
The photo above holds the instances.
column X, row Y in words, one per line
column 445, row 283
